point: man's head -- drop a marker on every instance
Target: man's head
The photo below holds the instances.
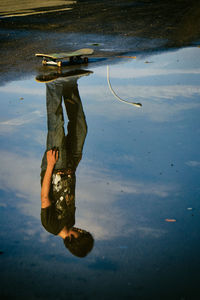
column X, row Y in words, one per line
column 79, row 244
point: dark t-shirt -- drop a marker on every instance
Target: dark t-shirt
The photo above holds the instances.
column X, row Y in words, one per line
column 61, row 212
column 51, row 222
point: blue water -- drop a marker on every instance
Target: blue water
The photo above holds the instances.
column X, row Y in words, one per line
column 140, row 166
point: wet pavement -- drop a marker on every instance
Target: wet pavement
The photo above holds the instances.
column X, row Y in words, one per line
column 137, row 184
column 109, row 27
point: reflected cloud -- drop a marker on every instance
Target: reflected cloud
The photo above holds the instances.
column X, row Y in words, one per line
column 166, row 64
column 102, row 192
column 193, row 163
column 148, row 92
column 13, row 125
column 151, row 84
column 133, row 73
column 93, row 195
column 150, row 232
column 160, row 103
column 159, row 92
column 99, row 192
column 20, row 175
column 22, row 120
column 103, row 264
column 16, row 88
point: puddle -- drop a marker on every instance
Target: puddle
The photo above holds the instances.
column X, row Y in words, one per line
column 140, row 166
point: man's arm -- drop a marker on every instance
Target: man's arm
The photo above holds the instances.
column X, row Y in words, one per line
column 52, row 157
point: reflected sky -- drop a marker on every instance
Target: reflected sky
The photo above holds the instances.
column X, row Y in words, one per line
column 140, row 166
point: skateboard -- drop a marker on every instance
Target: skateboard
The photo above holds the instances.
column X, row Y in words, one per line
column 56, row 59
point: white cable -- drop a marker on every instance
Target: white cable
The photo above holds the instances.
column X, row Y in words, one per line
column 116, row 96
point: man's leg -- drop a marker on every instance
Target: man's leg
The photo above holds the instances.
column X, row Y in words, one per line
column 55, row 124
column 77, row 126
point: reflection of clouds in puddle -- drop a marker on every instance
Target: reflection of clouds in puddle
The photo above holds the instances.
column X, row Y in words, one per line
column 44, row 236
column 123, row 72
column 152, row 92
column 22, row 89
column 167, row 111
column 39, row 136
column 167, row 64
column 28, row 232
column 160, row 103
column 100, row 192
column 96, row 199
column 144, row 232
column 172, row 76
column 21, row 113
column 97, row 202
column 159, row 92
column 193, row 163
column 124, row 158
column 20, row 175
column 152, row 232
column 21, row 120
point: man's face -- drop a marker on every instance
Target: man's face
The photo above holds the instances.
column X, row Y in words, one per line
column 73, row 233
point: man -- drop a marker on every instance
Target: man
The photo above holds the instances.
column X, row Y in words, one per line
column 60, row 162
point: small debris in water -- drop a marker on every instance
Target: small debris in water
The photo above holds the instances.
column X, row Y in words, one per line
column 189, row 208
column 133, row 57
column 170, row 220
column 95, row 44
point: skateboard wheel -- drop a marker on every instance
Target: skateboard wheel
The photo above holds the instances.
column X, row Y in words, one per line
column 85, row 60
column 71, row 59
column 75, row 59
column 44, row 62
column 59, row 63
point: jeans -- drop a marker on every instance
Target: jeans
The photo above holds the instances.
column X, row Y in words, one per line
column 70, row 146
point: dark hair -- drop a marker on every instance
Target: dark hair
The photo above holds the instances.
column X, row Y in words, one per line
column 81, row 245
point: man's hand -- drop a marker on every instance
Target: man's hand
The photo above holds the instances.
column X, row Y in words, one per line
column 52, row 157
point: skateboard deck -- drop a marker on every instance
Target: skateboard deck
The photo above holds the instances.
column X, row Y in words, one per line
column 78, row 56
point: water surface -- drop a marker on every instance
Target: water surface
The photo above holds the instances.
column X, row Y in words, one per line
column 140, row 168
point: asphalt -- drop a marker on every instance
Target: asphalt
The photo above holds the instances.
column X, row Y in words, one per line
column 109, row 27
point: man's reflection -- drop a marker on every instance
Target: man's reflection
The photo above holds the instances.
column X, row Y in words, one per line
column 60, row 162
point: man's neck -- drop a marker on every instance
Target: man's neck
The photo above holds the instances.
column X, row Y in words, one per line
column 63, row 233
column 68, row 233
